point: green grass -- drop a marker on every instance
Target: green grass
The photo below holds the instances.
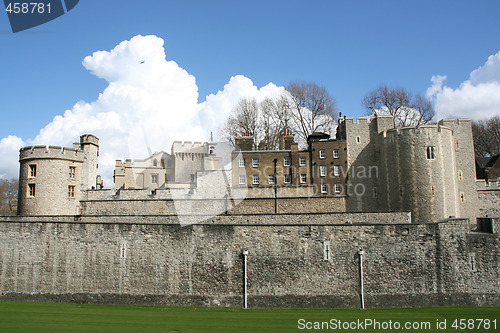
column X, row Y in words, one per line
column 62, row 317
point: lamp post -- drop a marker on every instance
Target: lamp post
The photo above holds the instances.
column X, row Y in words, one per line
column 275, row 161
column 245, row 254
column 360, row 253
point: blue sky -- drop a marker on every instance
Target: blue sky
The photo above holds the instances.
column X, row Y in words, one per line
column 350, row 47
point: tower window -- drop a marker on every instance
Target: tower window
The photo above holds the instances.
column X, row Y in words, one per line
column 322, row 171
column 155, row 162
column 211, row 150
column 336, row 170
column 32, row 170
column 71, row 191
column 31, row 190
column 303, row 178
column 288, row 179
column 430, row 152
column 154, row 178
column 72, row 171
column 326, row 250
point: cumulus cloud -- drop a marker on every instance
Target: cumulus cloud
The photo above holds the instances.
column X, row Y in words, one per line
column 476, row 98
column 149, row 102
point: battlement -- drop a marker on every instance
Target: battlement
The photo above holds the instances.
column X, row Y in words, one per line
column 188, row 147
column 455, row 122
column 418, row 131
column 51, row 152
column 89, row 139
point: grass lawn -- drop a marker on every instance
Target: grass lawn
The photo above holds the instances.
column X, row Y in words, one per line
column 62, row 317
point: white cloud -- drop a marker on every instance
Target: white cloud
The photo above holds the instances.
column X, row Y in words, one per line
column 476, row 98
column 148, row 103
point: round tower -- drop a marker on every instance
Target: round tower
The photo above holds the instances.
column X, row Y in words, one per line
column 51, row 179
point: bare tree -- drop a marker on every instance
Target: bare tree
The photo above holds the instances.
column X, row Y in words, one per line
column 486, row 134
column 275, row 119
column 8, row 196
column 243, row 119
column 406, row 109
column 312, row 108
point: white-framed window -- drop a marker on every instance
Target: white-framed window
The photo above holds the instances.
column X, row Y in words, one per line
column 71, row 191
column 288, row 179
column 303, row 178
column 32, row 170
column 255, row 179
column 336, row 170
column 242, row 180
column 430, row 152
column 322, row 153
column 211, row 150
column 72, row 172
column 287, row 161
column 31, row 190
column 337, row 188
column 336, row 153
column 154, row 178
column 322, row 170
column 270, row 179
column 302, row 161
column 255, row 162
column 324, row 188
column 241, row 163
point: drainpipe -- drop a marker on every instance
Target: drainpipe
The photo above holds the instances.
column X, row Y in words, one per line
column 245, row 254
column 360, row 253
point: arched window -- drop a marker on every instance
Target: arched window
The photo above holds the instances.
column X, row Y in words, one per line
column 155, row 162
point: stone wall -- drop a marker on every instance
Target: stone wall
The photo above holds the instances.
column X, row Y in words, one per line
column 288, row 265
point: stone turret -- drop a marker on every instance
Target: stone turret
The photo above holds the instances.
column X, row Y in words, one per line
column 52, row 178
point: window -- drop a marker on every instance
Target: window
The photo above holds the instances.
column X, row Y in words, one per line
column 31, row 190
column 326, row 250
column 322, row 170
column 255, row 162
column 287, row 161
column 302, row 161
column 71, row 191
column 337, row 188
column 430, row 152
column 211, row 150
column 154, row 178
column 303, row 178
column 32, row 170
column 324, row 188
column 270, row 179
column 255, row 179
column 242, row 163
column 242, row 180
column 72, row 171
column 288, row 179
column 322, row 153
column 155, row 162
column 336, row 153
column 358, row 139
column 336, row 170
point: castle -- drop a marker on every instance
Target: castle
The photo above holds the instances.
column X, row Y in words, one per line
column 177, row 228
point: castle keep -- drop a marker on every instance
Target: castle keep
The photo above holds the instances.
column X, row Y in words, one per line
column 177, row 226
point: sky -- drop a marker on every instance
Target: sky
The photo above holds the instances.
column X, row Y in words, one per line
column 82, row 72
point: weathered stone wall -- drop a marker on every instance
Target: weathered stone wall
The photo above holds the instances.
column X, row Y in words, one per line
column 489, row 202
column 404, row 264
